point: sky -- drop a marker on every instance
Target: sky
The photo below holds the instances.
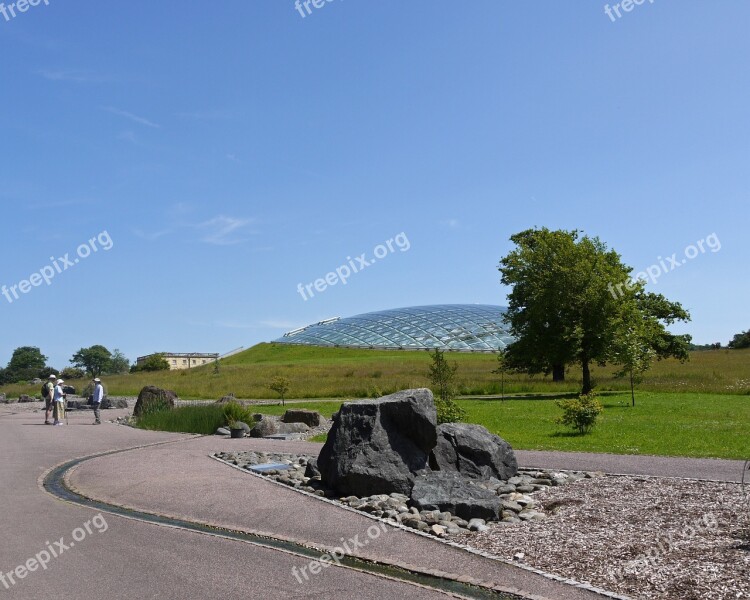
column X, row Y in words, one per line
column 222, row 157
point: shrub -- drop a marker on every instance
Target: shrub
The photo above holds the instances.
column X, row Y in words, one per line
column 234, row 412
column 581, row 413
column 448, row 411
column 72, row 373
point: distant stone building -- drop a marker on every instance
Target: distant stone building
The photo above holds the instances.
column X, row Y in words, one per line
column 183, row 361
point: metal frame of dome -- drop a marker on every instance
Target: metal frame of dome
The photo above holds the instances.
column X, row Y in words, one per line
column 452, row 327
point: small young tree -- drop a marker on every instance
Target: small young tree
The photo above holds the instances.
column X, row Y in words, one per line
column 280, row 385
column 502, row 369
column 634, row 357
column 442, row 376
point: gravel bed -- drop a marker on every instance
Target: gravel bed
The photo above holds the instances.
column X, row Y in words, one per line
column 518, row 494
column 643, row 537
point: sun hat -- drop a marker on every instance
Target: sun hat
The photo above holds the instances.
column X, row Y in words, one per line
column 52, row 377
column 97, row 380
column 60, row 381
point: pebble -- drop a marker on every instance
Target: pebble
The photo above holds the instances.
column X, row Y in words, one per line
column 517, row 505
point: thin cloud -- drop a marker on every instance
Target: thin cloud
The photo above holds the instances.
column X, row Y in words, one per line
column 72, row 76
column 224, row 231
column 281, row 324
column 151, row 236
column 451, row 223
column 207, row 115
column 128, row 115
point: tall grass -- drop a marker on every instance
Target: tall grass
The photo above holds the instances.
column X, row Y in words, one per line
column 351, row 373
column 204, row 420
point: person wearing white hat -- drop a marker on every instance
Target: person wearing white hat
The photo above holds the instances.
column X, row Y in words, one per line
column 97, row 400
column 48, row 392
column 59, row 401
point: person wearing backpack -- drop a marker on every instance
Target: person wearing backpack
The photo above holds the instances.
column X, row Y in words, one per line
column 59, row 401
column 48, row 392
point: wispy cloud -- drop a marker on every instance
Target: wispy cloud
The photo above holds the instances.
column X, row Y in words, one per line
column 225, row 231
column 127, row 136
column 72, row 76
column 451, row 223
column 281, row 324
column 128, row 115
column 58, row 204
column 207, row 115
column 151, row 236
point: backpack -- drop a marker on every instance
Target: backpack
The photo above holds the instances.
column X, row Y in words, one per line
column 45, row 391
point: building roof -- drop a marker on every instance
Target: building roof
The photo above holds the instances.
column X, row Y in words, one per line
column 461, row 327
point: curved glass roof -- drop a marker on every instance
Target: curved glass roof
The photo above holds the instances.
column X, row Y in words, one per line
column 462, row 327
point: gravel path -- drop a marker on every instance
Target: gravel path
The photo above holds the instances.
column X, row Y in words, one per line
column 654, row 538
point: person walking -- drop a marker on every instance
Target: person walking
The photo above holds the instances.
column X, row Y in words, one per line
column 97, row 400
column 47, row 395
column 59, row 402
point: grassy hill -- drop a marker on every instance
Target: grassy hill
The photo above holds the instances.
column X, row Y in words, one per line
column 350, row 373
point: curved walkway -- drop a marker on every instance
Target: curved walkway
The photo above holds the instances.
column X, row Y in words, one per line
column 133, row 559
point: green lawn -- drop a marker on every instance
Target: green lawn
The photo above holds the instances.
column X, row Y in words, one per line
column 697, row 425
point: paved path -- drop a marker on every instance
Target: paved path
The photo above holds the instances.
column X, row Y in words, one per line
column 132, row 559
column 126, row 558
column 660, row 466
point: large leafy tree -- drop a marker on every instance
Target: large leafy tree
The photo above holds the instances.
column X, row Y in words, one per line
column 94, row 360
column 740, row 340
column 118, row 364
column 26, row 363
column 568, row 305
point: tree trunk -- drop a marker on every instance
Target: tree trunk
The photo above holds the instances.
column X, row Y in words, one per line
column 586, row 377
column 558, row 372
column 632, row 390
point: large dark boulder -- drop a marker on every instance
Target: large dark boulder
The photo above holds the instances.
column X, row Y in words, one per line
column 472, row 451
column 24, row 398
column 311, row 418
column 445, row 491
column 114, row 403
column 152, row 398
column 378, row 446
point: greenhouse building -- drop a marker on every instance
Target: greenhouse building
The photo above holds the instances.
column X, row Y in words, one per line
column 453, row 327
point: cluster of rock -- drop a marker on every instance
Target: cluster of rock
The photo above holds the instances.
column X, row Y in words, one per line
column 388, row 457
column 294, row 424
column 394, row 445
column 515, row 495
column 107, row 403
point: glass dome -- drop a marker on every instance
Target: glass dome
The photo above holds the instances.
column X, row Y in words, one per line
column 461, row 327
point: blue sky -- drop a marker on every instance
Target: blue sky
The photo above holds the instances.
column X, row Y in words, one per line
column 232, row 151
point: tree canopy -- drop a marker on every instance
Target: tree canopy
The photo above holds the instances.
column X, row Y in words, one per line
column 740, row 340
column 573, row 302
column 94, row 360
column 26, row 363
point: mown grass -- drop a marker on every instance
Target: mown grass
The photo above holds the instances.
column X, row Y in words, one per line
column 185, row 419
column 686, row 424
column 342, row 373
column 666, row 424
